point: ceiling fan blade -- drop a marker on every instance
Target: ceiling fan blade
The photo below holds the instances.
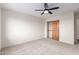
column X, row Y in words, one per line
column 42, row 13
column 39, row 10
column 50, row 12
column 54, row 8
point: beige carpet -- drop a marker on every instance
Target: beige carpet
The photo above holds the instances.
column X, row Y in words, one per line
column 42, row 47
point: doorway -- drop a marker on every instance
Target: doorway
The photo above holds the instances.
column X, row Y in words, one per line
column 53, row 30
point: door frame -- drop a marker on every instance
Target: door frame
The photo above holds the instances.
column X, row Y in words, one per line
column 48, row 29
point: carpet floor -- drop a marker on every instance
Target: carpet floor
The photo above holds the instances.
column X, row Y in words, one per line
column 42, row 47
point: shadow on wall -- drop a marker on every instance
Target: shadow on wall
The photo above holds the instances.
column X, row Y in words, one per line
column 13, row 30
column 17, row 30
column 4, row 41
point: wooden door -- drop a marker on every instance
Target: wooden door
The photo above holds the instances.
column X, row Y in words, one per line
column 55, row 30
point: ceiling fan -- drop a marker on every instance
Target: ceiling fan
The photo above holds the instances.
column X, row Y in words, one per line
column 47, row 9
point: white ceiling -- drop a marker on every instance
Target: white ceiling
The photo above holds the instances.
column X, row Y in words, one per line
column 29, row 8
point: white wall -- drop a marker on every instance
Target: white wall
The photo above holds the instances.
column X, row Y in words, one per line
column 0, row 28
column 66, row 26
column 19, row 28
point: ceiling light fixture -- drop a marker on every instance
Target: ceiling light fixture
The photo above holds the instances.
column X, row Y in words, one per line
column 46, row 11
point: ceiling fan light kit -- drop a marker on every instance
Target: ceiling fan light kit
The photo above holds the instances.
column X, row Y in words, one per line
column 47, row 9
